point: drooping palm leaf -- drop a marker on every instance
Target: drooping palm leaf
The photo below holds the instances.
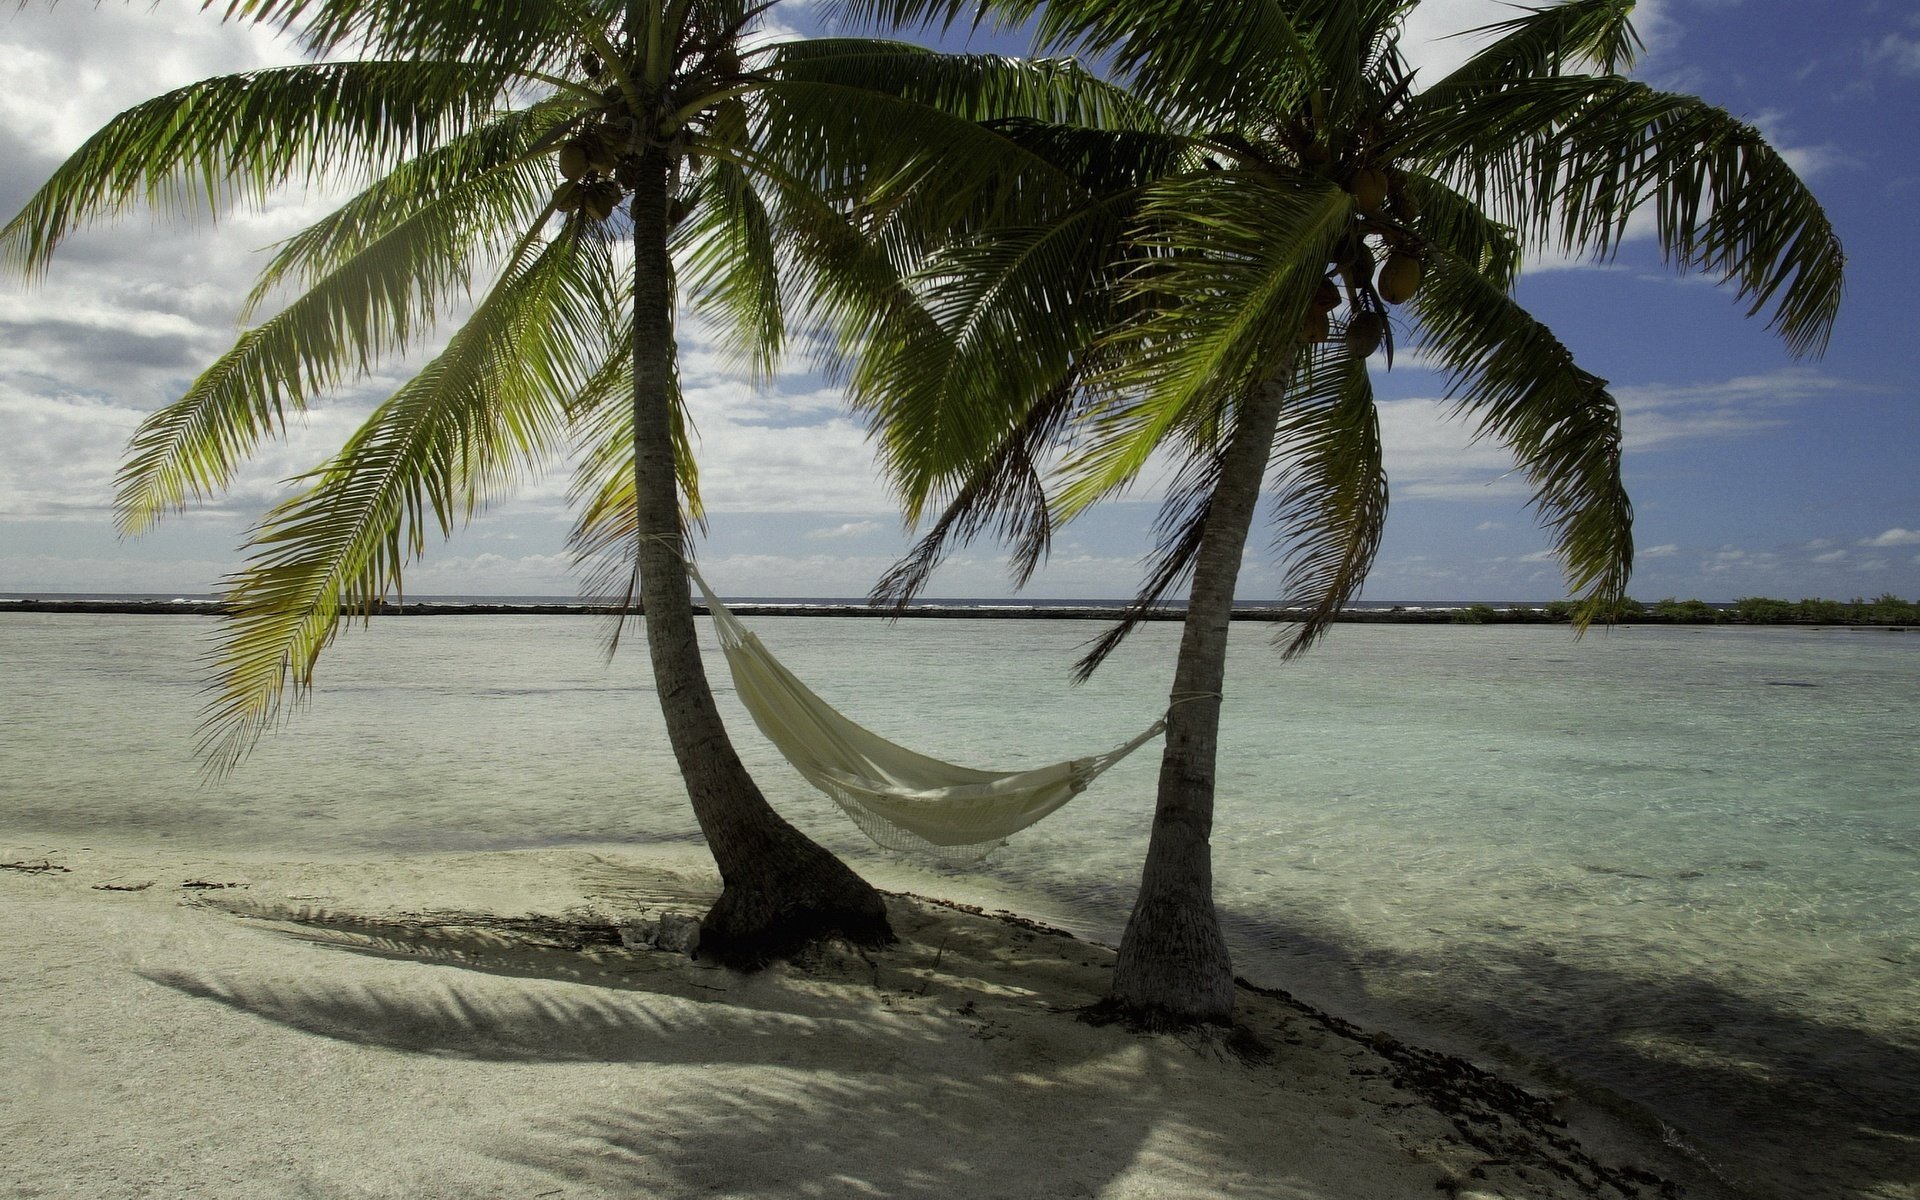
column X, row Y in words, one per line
column 1331, row 506
column 378, row 300
column 487, row 407
column 235, row 138
column 1519, row 384
column 1229, row 263
column 1569, row 161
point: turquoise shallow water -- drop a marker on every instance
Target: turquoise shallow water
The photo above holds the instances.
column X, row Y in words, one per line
column 1676, row 866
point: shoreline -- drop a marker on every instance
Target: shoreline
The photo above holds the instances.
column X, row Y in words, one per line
column 935, row 610
column 425, row 1007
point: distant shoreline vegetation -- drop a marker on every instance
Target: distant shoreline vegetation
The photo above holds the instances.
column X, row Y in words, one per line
column 1887, row 610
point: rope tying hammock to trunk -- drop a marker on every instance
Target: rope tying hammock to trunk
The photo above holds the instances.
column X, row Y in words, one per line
column 901, row 799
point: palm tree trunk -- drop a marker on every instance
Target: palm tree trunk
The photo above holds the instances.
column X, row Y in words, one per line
column 1173, row 967
column 780, row 890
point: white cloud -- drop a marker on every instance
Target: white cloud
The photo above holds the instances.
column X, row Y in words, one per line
column 1897, row 51
column 1428, row 454
column 493, row 574
column 1434, row 43
column 851, row 529
column 1667, row 550
column 1734, row 560
column 1664, row 415
column 1432, row 455
column 1831, row 556
column 1894, row 537
column 66, row 573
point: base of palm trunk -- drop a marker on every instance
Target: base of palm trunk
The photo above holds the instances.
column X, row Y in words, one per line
column 1173, row 970
column 764, row 916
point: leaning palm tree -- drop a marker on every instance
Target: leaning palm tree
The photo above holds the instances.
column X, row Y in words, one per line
column 589, row 162
column 1214, row 291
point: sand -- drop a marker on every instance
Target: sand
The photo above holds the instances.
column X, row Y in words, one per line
column 480, row 1026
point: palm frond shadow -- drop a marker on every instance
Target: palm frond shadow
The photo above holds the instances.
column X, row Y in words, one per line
column 804, row 1084
column 1759, row 1083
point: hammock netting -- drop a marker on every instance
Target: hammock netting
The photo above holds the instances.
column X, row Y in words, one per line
column 900, row 798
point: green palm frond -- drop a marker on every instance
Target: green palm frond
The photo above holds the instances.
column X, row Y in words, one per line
column 1463, row 230
column 1726, row 203
column 1574, row 35
column 730, row 266
column 1003, row 490
column 1006, row 323
column 605, row 537
column 1177, row 533
column 381, row 299
column 1568, row 161
column 1518, row 383
column 1204, row 58
column 482, row 410
column 1332, row 504
column 1229, row 265
column 504, row 141
column 837, row 279
column 929, row 141
column 973, row 87
column 233, row 139
column 506, row 33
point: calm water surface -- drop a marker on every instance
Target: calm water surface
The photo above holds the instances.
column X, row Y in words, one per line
column 1675, row 866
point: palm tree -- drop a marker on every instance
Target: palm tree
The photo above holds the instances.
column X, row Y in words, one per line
column 1214, row 290
column 538, row 143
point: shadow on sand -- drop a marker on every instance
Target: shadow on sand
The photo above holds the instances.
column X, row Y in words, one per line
column 1778, row 1104
column 797, row 1091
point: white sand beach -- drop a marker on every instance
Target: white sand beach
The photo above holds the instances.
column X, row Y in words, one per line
column 475, row 1026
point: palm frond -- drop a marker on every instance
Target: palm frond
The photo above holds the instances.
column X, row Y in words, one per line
column 505, row 140
column 233, row 139
column 1554, row 39
column 508, row 33
column 482, row 410
column 1229, row 264
column 923, row 130
column 1332, row 503
column 1568, row 161
column 1008, row 322
column 378, row 300
column 1003, row 490
column 730, row 264
column 1463, row 230
column 1518, row 383
column 1177, row 533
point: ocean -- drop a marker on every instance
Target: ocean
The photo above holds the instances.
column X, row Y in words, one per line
column 1669, row 871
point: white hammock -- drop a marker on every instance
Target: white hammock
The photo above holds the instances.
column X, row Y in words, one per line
column 900, row 799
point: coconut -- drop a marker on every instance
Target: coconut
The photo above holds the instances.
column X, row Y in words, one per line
column 1364, row 333
column 1369, row 188
column 573, row 160
column 602, row 152
column 1399, row 278
column 602, row 202
column 1326, row 297
column 1317, row 328
column 567, row 199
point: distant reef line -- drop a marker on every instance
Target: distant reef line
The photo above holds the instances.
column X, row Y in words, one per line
column 1885, row 613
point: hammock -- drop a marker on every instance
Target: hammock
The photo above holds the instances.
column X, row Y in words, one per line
column 901, row 799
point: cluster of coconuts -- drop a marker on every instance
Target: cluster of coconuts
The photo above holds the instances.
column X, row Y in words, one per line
column 594, row 162
column 1377, row 196
column 598, row 166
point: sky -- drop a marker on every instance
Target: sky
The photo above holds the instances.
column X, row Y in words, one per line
column 1752, row 473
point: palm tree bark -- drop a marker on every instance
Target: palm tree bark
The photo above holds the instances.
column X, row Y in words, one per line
column 780, row 890
column 1173, row 967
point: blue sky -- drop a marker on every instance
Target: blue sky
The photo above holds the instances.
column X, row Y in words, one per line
column 1752, row 474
